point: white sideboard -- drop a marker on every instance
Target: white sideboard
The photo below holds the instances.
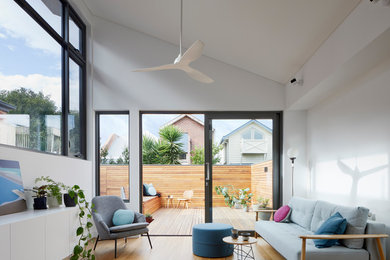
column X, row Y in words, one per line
column 38, row 234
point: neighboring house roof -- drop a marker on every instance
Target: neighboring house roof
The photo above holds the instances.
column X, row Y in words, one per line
column 6, row 107
column 242, row 127
column 182, row 116
column 115, row 145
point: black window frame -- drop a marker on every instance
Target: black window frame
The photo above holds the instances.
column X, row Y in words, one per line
column 79, row 57
column 98, row 113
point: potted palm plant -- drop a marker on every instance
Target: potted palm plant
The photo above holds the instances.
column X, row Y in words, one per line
column 40, row 197
column 263, row 204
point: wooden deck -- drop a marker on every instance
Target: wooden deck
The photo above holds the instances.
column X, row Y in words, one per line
column 172, row 221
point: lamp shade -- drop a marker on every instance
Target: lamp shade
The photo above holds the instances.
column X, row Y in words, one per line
column 292, row 153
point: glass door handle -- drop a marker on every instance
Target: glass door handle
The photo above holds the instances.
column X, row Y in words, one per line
column 207, row 171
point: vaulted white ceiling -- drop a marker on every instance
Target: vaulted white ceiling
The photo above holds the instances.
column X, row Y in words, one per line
column 272, row 38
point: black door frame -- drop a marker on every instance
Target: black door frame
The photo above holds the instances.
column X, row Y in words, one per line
column 277, row 149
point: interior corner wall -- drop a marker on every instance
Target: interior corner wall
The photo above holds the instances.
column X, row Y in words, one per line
column 119, row 50
column 349, row 144
column 294, row 136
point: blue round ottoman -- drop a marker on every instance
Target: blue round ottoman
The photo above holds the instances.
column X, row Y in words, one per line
column 207, row 240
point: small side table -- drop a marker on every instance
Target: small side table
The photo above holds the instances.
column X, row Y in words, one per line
column 243, row 249
column 169, row 202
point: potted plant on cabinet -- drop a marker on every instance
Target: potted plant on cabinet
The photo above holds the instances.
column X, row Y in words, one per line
column 70, row 198
column 263, row 204
column 149, row 218
column 54, row 198
column 40, row 197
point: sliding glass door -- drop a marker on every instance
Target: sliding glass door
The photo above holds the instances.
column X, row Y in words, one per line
column 242, row 166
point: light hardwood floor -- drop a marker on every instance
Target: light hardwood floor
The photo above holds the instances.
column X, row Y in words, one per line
column 172, row 221
column 169, row 248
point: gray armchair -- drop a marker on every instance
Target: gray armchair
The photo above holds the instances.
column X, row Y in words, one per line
column 105, row 207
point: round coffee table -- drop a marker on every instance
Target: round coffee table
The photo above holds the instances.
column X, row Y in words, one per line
column 240, row 246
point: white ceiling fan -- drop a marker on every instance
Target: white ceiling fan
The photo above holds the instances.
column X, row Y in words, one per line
column 182, row 62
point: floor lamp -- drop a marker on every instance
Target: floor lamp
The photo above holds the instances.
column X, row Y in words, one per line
column 292, row 153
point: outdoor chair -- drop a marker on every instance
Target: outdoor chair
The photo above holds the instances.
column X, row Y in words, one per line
column 187, row 196
column 105, row 207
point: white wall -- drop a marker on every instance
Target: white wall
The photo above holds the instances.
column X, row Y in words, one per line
column 294, row 136
column 67, row 170
column 349, row 144
column 119, row 50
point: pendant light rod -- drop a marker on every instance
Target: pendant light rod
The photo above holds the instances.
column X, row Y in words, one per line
column 181, row 25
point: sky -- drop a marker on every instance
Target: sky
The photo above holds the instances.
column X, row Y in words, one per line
column 29, row 57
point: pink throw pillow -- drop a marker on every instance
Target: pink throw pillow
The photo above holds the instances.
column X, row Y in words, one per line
column 282, row 214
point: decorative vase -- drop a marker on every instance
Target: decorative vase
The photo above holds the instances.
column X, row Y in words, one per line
column 69, row 202
column 237, row 205
column 245, row 208
column 52, row 202
column 264, row 215
column 245, row 236
column 40, row 203
column 28, row 196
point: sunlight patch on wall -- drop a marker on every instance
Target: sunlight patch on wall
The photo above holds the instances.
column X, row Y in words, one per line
column 365, row 177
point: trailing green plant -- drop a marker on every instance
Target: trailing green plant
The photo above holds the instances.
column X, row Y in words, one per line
column 54, row 188
column 263, row 202
column 233, row 196
column 148, row 215
column 229, row 193
column 83, row 232
column 244, row 197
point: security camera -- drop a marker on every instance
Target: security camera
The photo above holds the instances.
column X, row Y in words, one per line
column 295, row 82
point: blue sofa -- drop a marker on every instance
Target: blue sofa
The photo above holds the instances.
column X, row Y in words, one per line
column 306, row 217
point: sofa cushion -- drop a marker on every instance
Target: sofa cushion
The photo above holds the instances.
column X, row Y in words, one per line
column 302, row 211
column 283, row 214
column 335, row 225
column 356, row 219
column 284, row 237
column 128, row 227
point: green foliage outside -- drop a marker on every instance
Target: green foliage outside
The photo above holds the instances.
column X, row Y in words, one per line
column 37, row 106
column 123, row 159
column 164, row 151
column 234, row 196
column 197, row 155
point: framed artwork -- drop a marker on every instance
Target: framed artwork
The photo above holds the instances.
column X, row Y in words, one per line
column 11, row 188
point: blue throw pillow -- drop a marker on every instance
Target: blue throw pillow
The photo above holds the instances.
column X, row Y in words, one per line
column 151, row 190
column 335, row 225
column 123, row 217
column 146, row 187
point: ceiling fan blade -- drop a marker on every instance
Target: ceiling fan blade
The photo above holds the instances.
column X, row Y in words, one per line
column 197, row 75
column 163, row 67
column 193, row 52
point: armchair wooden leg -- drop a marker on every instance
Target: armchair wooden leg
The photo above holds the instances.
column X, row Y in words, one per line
column 97, row 239
column 380, row 249
column 303, row 251
column 125, row 239
column 115, row 247
column 150, row 242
